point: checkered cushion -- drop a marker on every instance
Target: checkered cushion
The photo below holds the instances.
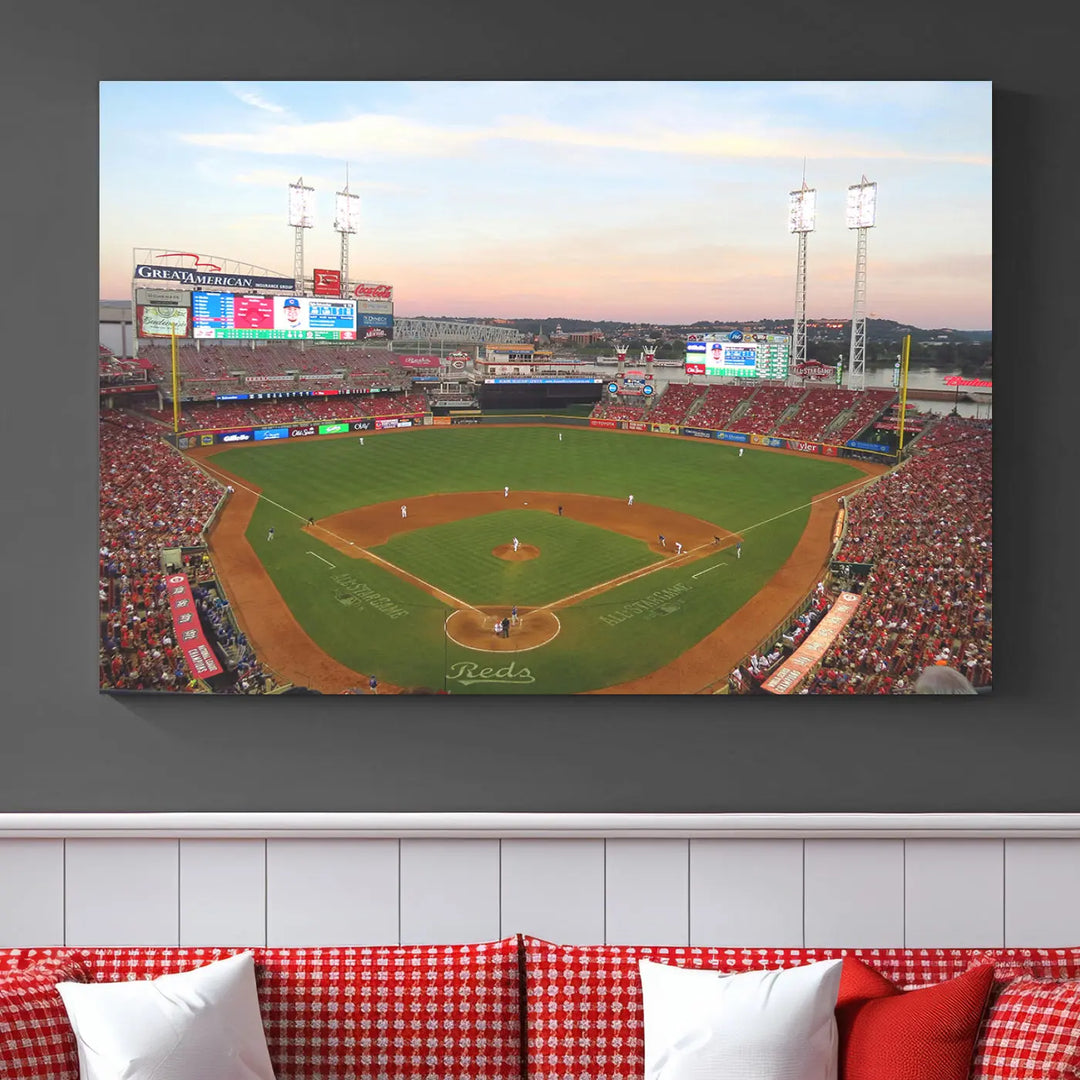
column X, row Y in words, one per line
column 584, row 1013
column 1032, row 963
column 411, row 1012
column 36, row 1038
column 1032, row 1032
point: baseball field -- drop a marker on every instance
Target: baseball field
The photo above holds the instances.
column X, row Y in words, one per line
column 397, row 557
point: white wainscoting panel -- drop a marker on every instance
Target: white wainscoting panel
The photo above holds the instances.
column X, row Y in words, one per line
column 1042, row 893
column 736, row 880
column 31, row 892
column 954, row 893
column 449, row 891
column 332, row 892
column 746, row 892
column 222, row 892
column 854, row 893
column 554, row 889
column 646, row 893
column 122, row 892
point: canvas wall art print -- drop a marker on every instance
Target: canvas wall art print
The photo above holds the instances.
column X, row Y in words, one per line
column 545, row 388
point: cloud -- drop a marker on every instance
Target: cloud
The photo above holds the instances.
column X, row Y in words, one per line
column 383, row 135
column 368, row 134
column 252, row 97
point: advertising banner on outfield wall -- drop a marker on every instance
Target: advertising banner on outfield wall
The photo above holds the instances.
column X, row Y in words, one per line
column 637, row 425
column 856, row 445
column 594, row 422
column 271, row 433
column 698, row 433
column 464, row 419
column 206, row 440
column 302, row 432
column 363, row 425
column 732, row 436
column 829, row 451
column 234, row 436
column 441, row 421
column 201, row 661
column 786, row 678
column 333, row 429
column 803, row 447
column 766, row 440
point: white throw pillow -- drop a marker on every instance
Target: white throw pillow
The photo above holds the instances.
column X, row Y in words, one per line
column 756, row 1025
column 198, row 1025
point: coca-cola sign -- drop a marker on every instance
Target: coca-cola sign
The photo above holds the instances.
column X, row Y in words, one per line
column 371, row 291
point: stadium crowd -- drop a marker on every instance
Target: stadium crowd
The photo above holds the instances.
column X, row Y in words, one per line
column 151, row 498
column 926, row 529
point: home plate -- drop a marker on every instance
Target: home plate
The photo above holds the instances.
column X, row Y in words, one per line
column 707, row 569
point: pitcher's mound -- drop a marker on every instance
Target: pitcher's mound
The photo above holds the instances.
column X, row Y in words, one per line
column 524, row 551
column 475, row 629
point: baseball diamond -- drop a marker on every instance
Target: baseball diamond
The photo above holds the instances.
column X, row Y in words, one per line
column 349, row 586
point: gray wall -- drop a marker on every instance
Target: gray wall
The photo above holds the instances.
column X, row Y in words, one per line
column 66, row 748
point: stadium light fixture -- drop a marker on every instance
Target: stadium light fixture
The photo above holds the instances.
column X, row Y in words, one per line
column 862, row 205
column 346, row 212
column 861, row 214
column 802, row 208
column 301, row 201
column 802, row 205
column 301, row 204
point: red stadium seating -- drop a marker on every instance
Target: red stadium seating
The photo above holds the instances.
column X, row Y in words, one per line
column 868, row 406
column 766, row 407
column 674, row 403
column 720, row 402
column 606, row 411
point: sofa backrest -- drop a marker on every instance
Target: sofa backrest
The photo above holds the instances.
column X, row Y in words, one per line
column 584, row 1015
column 392, row 1012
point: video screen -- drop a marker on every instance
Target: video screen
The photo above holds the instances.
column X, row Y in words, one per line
column 228, row 315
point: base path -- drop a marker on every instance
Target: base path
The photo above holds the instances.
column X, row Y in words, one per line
column 283, row 645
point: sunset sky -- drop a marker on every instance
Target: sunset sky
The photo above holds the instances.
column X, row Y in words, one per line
column 639, row 201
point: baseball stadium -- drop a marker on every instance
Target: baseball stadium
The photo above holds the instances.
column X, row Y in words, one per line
column 378, row 505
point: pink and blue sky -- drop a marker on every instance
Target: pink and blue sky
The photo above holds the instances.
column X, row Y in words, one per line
column 662, row 202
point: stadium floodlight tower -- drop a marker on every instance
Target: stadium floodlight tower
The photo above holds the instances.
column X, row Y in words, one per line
column 861, row 214
column 801, row 207
column 300, row 218
column 345, row 215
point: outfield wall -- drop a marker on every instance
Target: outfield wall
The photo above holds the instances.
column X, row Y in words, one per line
column 214, row 436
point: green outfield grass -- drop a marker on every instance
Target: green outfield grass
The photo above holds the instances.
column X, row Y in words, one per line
column 371, row 620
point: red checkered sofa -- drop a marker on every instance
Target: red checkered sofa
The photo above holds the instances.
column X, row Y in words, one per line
column 377, row 1013
column 516, row 1008
column 584, row 1018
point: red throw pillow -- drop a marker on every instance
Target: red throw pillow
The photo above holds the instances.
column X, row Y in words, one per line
column 36, row 1037
column 892, row 1034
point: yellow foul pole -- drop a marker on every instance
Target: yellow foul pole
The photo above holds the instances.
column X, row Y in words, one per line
column 175, row 389
column 903, row 391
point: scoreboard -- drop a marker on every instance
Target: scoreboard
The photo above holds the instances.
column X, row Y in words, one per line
column 282, row 318
column 739, row 355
